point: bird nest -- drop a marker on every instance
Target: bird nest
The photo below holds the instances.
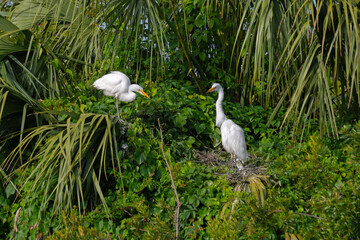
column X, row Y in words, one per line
column 224, row 166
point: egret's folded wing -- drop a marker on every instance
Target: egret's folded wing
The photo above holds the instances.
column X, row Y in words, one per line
column 113, row 83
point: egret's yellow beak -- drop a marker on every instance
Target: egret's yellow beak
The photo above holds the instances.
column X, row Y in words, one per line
column 143, row 93
column 211, row 89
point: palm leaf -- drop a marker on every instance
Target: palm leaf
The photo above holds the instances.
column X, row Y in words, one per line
column 298, row 54
column 3, row 96
column 68, row 30
column 11, row 38
column 256, row 185
column 135, row 28
column 292, row 236
column 68, row 156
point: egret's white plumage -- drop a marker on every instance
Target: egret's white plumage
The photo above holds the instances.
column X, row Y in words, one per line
column 232, row 136
column 117, row 84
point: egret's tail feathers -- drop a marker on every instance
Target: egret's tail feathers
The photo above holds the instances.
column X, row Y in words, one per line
column 99, row 85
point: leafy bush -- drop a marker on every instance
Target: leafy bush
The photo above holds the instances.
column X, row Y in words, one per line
column 75, row 227
column 314, row 192
column 313, row 186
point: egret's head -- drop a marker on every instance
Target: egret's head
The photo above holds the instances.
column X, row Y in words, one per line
column 214, row 87
column 139, row 89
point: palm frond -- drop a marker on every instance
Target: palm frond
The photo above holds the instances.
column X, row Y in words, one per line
column 12, row 39
column 256, row 185
column 67, row 30
column 68, row 157
column 135, row 29
column 292, row 236
column 3, row 96
column 298, row 54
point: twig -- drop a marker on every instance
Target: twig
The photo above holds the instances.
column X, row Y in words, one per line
column 16, row 219
column 178, row 203
column 313, row 216
column 304, row 214
column 126, row 211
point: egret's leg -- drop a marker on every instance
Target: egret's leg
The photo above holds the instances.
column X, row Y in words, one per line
column 233, row 158
column 123, row 127
column 239, row 164
column 118, row 112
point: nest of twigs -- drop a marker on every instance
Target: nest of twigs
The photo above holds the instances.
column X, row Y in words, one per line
column 224, row 166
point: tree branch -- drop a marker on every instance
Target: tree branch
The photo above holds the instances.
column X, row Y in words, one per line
column 304, row 214
column 178, row 203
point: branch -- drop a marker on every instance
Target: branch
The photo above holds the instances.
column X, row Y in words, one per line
column 178, row 203
column 313, row 216
column 304, row 214
column 16, row 219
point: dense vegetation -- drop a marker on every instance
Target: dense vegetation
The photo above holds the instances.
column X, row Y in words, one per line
column 70, row 170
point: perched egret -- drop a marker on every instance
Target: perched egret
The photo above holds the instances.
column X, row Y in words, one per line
column 232, row 136
column 117, row 84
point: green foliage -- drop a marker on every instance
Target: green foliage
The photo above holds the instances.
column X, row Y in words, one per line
column 144, row 172
column 255, row 184
column 146, row 211
column 224, row 225
column 312, row 186
column 75, row 227
column 314, row 193
column 24, row 215
column 71, row 159
column 6, row 193
column 60, row 144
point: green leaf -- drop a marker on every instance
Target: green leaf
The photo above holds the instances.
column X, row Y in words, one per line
column 10, row 190
column 198, row 39
column 180, row 120
column 339, row 183
column 197, row 2
column 56, row 62
column 140, row 156
column 68, row 71
column 205, row 38
column 4, row 202
column 168, row 154
column 202, row 56
column 144, row 170
column 190, row 27
column 190, row 142
column 7, row 26
column 199, row 21
column 211, row 23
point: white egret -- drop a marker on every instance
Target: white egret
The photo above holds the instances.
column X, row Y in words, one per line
column 117, row 84
column 232, row 136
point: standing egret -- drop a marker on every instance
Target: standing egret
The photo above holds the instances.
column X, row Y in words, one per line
column 232, row 136
column 117, row 84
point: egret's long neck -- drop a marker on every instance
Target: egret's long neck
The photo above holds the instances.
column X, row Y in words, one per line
column 220, row 115
column 128, row 96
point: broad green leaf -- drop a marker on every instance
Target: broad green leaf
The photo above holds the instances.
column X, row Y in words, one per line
column 10, row 190
column 199, row 21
